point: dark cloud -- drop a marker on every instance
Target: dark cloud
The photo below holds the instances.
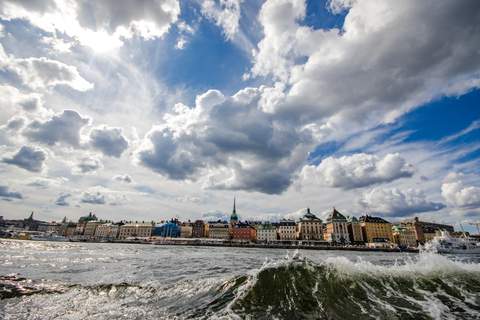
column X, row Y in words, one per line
column 28, row 158
column 87, row 166
column 123, row 179
column 6, row 193
column 243, row 147
column 93, row 198
column 168, row 159
column 109, row 141
column 61, row 200
column 63, row 127
column 16, row 123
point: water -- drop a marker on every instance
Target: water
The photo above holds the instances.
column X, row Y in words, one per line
column 53, row 280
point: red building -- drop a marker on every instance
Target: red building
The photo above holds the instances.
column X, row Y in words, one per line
column 244, row 232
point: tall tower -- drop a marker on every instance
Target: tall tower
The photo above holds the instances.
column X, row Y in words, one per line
column 233, row 217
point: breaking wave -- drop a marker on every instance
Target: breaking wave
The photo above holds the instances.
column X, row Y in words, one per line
column 426, row 286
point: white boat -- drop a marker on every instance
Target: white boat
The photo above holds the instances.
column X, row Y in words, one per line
column 446, row 244
column 51, row 237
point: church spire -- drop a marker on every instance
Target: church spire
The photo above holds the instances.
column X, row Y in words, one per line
column 233, row 217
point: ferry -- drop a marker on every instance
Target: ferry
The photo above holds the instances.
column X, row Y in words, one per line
column 51, row 237
column 446, row 244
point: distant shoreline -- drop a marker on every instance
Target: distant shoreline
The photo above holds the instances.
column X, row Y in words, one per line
column 243, row 245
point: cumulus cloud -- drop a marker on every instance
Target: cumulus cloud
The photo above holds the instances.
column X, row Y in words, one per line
column 43, row 73
column 110, row 141
column 358, row 170
column 87, row 166
column 464, row 199
column 94, row 197
column 124, row 179
column 104, row 197
column 229, row 142
column 225, row 14
column 28, row 158
column 61, row 199
column 63, row 127
column 393, row 202
column 100, row 24
column 361, row 72
column 8, row 195
column 215, row 216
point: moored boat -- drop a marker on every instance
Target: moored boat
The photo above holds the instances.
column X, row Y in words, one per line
column 444, row 243
column 51, row 237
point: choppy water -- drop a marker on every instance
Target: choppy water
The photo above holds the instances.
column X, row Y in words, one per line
column 48, row 280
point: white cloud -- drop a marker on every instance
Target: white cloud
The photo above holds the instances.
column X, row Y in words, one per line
column 225, row 13
column 393, row 202
column 361, row 73
column 43, row 72
column 102, row 25
column 356, row 171
column 459, row 195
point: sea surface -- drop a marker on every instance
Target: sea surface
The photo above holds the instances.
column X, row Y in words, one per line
column 55, row 280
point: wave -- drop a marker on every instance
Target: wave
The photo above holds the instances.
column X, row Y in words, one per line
column 425, row 286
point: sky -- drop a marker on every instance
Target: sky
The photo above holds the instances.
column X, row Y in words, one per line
column 150, row 110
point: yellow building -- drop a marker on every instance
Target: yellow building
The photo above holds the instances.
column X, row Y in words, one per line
column 218, row 230
column 376, row 231
column 309, row 227
column 136, row 229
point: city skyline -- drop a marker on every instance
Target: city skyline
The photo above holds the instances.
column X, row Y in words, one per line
column 151, row 110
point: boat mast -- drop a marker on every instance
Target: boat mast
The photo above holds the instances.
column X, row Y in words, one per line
column 475, row 224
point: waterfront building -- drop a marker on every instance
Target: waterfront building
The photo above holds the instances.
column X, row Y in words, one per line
column 266, row 233
column 136, row 229
column 169, row 229
column 67, row 229
column 415, row 226
column 198, row 229
column 376, row 231
column 336, row 228
column 186, row 229
column 404, row 237
column 219, row 230
column 82, row 222
column 309, row 227
column 244, row 232
column 233, row 217
column 354, row 229
column 108, row 230
column 90, row 228
column 48, row 227
column 287, row 230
